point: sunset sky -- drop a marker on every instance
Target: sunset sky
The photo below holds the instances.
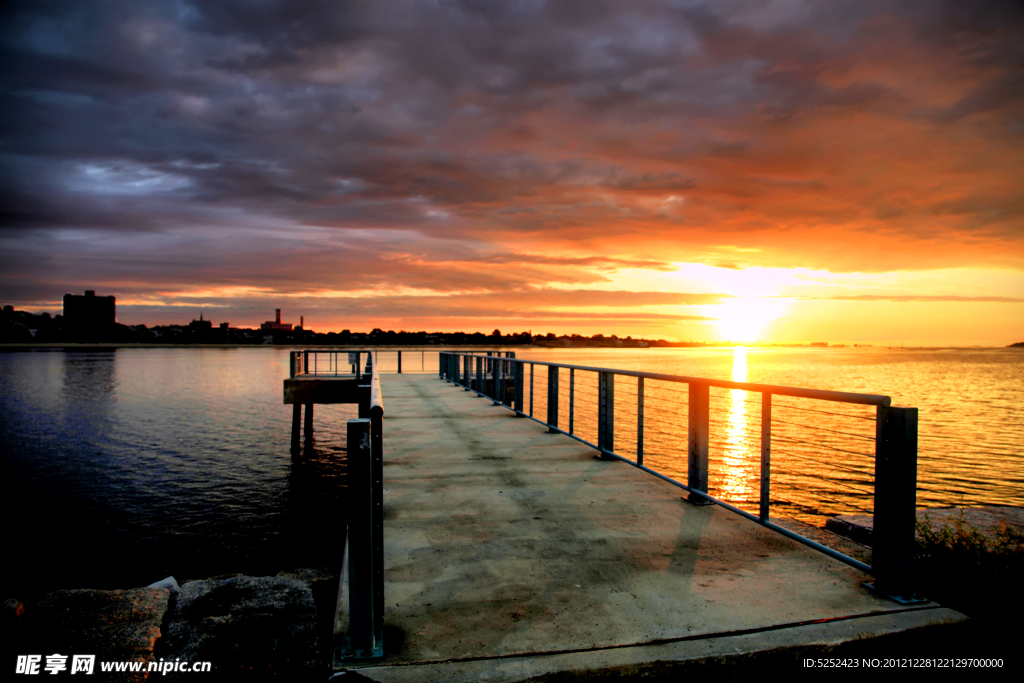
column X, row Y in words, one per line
column 784, row 171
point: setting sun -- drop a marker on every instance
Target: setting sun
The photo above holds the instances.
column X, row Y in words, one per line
column 745, row 318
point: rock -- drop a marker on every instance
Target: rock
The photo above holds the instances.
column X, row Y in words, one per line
column 248, row 627
column 857, row 528
column 118, row 625
column 310, row 575
column 13, row 612
column 324, row 584
column 169, row 584
column 985, row 519
column 11, row 629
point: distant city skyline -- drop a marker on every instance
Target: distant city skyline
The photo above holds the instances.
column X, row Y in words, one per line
column 774, row 170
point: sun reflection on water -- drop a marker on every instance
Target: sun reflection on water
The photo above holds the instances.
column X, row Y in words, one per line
column 735, row 484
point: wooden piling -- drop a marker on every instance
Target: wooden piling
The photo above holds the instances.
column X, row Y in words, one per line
column 296, row 420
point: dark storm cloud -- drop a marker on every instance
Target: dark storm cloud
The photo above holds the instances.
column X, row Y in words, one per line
column 560, row 139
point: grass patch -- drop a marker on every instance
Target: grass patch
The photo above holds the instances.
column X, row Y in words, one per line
column 979, row 575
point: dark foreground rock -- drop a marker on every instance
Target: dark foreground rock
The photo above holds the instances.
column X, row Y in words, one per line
column 119, row 625
column 248, row 627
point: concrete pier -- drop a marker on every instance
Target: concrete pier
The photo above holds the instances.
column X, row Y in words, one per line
column 512, row 553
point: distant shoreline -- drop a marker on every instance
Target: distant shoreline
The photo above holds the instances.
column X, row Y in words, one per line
column 106, row 346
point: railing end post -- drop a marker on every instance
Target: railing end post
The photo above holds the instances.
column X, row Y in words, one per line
column 895, row 514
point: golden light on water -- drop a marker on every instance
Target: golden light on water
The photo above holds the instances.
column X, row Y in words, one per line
column 736, row 463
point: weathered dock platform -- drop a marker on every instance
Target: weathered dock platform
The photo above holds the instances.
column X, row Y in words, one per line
column 512, row 553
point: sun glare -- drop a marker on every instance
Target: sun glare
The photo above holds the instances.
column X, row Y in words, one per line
column 745, row 318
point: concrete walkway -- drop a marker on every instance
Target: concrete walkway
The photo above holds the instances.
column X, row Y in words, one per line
column 511, row 553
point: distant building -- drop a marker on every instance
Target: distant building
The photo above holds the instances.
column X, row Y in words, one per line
column 200, row 325
column 276, row 324
column 89, row 317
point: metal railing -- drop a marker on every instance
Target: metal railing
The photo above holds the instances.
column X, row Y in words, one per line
column 361, row 628
column 337, row 363
column 595, row 405
column 327, row 362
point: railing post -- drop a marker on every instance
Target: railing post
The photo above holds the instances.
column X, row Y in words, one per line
column 455, row 369
column 606, row 414
column 468, row 372
column 572, row 400
column 639, row 420
column 531, row 389
column 699, row 438
column 499, row 382
column 307, row 430
column 552, row 399
column 305, row 364
column 520, row 398
column 361, row 635
column 895, row 501
column 479, row 376
column 296, row 421
column 377, row 511
column 766, row 455
column 441, row 360
column 399, row 362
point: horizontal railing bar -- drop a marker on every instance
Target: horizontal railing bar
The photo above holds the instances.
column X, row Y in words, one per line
column 376, row 400
column 818, row 394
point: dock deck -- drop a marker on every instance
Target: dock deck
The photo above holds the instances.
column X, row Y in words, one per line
column 512, row 553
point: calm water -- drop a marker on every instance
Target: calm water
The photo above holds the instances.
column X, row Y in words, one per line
column 126, row 466
column 122, row 467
